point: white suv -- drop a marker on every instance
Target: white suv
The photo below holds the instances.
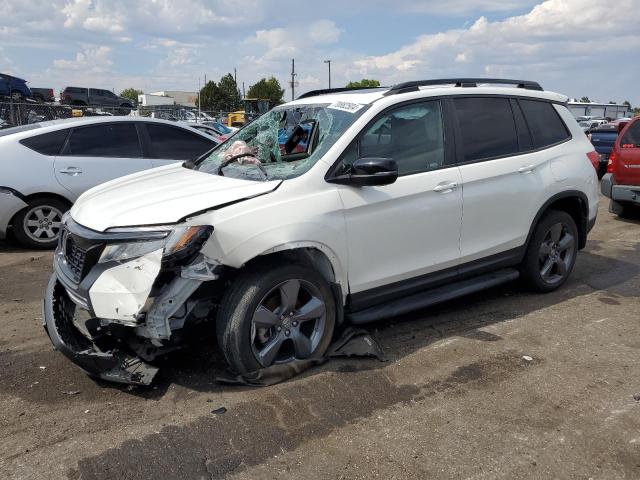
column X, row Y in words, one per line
column 342, row 206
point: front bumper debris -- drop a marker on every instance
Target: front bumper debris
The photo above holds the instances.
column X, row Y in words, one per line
column 97, row 355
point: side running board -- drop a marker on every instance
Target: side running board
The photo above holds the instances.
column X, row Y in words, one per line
column 434, row 296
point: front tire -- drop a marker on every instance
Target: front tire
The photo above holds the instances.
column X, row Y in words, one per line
column 552, row 252
column 38, row 225
column 274, row 314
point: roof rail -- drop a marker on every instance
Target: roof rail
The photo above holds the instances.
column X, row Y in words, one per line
column 326, row 91
column 460, row 82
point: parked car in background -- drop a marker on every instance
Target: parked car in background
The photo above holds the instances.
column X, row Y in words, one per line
column 46, row 166
column 603, row 137
column 95, row 97
column 622, row 181
column 589, row 124
column 278, row 239
column 204, row 128
column 14, row 87
column 218, row 131
column 43, row 94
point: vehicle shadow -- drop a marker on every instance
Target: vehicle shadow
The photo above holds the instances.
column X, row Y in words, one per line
column 290, row 414
column 198, row 367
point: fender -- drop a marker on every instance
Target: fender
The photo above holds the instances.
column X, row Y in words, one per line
column 582, row 226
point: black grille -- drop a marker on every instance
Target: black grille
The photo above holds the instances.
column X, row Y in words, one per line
column 75, row 257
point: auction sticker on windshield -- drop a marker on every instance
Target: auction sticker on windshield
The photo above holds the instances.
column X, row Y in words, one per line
column 346, row 106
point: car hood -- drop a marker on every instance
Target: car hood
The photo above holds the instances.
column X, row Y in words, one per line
column 161, row 195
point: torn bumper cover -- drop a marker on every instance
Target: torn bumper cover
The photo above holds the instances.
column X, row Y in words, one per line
column 111, row 364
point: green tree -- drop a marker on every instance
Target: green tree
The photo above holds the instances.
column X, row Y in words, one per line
column 612, row 102
column 229, row 98
column 585, row 100
column 267, row 89
column 364, row 83
column 131, row 94
column 627, row 103
column 209, row 96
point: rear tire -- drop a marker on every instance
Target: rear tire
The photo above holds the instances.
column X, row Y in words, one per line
column 275, row 313
column 38, row 225
column 623, row 210
column 552, row 252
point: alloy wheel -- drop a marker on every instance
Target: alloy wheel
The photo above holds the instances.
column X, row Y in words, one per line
column 556, row 253
column 289, row 323
column 42, row 223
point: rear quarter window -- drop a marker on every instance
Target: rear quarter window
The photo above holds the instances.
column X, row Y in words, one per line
column 545, row 124
column 48, row 143
column 631, row 138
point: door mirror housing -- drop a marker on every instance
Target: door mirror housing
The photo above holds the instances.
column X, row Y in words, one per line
column 369, row 172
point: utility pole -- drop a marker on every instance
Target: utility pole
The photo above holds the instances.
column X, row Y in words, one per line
column 235, row 76
column 198, row 117
column 243, row 94
column 328, row 62
column 293, row 79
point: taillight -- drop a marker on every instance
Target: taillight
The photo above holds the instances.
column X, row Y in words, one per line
column 612, row 160
column 594, row 158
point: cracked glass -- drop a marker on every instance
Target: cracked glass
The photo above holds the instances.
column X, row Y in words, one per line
column 283, row 143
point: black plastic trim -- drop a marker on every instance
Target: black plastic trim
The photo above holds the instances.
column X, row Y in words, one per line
column 583, row 229
column 14, row 192
column 435, row 296
column 413, row 86
column 327, row 91
column 383, row 294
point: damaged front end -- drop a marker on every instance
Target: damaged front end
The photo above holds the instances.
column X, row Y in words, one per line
column 119, row 299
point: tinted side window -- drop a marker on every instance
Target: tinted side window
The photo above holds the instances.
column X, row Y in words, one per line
column 631, row 138
column 109, row 140
column 544, row 122
column 48, row 143
column 487, row 127
column 524, row 137
column 412, row 135
column 175, row 143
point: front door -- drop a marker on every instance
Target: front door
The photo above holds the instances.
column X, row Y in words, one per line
column 99, row 153
column 410, row 228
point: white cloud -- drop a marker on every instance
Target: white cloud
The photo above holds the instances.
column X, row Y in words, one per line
column 324, row 32
column 92, row 59
column 551, row 40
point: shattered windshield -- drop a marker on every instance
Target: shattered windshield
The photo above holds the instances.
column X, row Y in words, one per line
column 283, row 143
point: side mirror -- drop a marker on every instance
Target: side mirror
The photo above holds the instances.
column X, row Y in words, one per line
column 369, row 172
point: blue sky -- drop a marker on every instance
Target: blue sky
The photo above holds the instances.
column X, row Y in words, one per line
column 576, row 47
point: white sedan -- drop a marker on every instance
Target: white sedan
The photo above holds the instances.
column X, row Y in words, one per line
column 46, row 166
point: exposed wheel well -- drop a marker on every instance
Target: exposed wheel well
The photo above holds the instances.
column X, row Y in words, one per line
column 575, row 205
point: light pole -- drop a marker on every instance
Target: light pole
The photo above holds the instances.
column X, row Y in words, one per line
column 328, row 62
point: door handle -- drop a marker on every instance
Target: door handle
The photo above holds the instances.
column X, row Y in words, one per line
column 73, row 171
column 445, row 187
column 526, row 169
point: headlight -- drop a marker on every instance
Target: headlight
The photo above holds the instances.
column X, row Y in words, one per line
column 178, row 243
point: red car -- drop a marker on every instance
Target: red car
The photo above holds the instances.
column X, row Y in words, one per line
column 622, row 181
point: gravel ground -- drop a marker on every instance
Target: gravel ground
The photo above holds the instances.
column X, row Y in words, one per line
column 503, row 384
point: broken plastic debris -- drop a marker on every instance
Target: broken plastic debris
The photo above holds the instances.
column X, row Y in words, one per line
column 219, row 411
column 42, row 367
column 71, row 392
column 527, row 358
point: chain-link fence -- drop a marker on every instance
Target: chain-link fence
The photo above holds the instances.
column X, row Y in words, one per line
column 14, row 113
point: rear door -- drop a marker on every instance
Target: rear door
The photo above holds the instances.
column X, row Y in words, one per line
column 169, row 144
column 503, row 187
column 97, row 153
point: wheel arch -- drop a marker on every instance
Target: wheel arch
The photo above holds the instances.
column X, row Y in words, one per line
column 573, row 202
column 34, row 196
